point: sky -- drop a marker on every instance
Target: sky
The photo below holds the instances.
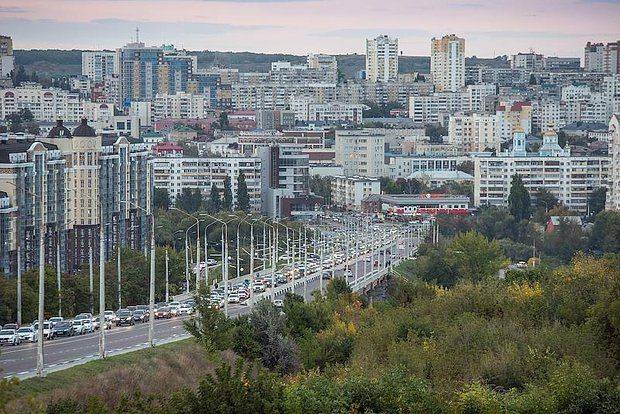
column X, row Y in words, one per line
column 490, row 27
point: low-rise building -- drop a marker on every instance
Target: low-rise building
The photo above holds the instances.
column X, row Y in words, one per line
column 416, row 204
column 348, row 192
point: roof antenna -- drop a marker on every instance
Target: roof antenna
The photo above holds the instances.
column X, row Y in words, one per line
column 137, row 34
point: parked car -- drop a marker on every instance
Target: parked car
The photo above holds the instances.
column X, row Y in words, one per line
column 125, row 317
column 47, row 329
column 97, row 322
column 233, row 298
column 88, row 325
column 139, row 315
column 64, row 328
column 55, row 319
column 84, row 316
column 185, row 309
column 9, row 337
column 163, row 313
column 174, row 308
column 79, row 326
column 110, row 316
column 13, row 326
column 278, row 303
column 27, row 333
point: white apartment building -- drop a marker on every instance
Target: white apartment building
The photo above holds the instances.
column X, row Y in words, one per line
column 181, row 105
column 381, row 59
column 477, row 93
column 448, row 63
column 320, row 61
column 7, row 61
column 360, row 153
column 528, row 61
column 570, row 179
column 272, row 95
column 50, row 104
column 176, row 173
column 613, row 195
column 335, row 112
column 348, row 192
column 97, row 65
column 432, row 109
column 599, row 57
column 473, row 132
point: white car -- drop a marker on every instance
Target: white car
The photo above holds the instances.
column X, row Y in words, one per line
column 174, row 308
column 79, row 326
column 9, row 337
column 110, row 316
column 55, row 319
column 27, row 333
column 47, row 329
column 186, row 309
column 278, row 303
column 233, row 298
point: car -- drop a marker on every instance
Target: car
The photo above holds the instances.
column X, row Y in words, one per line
column 163, row 313
column 185, row 309
column 79, row 326
column 174, row 308
column 278, row 303
column 144, row 308
column 132, row 308
column 326, row 275
column 211, row 262
column 88, row 325
column 125, row 317
column 97, row 322
column 64, row 328
column 47, row 329
column 55, row 319
column 9, row 337
column 348, row 273
column 27, row 333
column 109, row 315
column 13, row 326
column 233, row 298
column 139, row 315
column 88, row 316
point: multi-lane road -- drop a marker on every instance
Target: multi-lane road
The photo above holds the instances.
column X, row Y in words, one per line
column 62, row 353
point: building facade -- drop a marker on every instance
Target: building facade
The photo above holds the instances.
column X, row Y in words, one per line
column 381, row 59
column 98, row 65
column 348, row 192
column 361, row 153
column 448, row 63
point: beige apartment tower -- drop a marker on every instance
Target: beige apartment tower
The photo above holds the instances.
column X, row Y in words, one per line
column 448, row 63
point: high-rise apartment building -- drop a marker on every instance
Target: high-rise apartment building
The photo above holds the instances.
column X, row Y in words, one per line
column 82, row 180
column 6, row 56
column 613, row 194
column 448, row 63
column 360, row 152
column 529, row 61
column 381, row 59
column 600, row 57
column 99, row 64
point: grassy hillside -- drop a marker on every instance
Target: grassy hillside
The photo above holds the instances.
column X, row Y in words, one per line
column 68, row 62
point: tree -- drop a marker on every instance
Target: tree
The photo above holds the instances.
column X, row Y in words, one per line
column 189, row 200
column 215, row 200
column 227, row 205
column 474, row 257
column 243, row 198
column 519, row 201
column 545, row 199
column 596, row 201
column 605, row 235
column 566, row 239
column 321, row 186
column 161, row 198
column 466, row 167
column 435, row 132
column 224, row 125
column 533, row 79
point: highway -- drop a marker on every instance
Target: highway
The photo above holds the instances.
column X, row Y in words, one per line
column 61, row 353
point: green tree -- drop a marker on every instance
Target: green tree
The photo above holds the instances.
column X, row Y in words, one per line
column 474, row 257
column 224, row 125
column 596, row 201
column 519, row 201
column 243, row 198
column 565, row 241
column 321, row 186
column 161, row 198
column 189, row 200
column 227, row 203
column 605, row 234
column 215, row 199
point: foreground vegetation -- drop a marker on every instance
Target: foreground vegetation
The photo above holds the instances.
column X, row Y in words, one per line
column 539, row 341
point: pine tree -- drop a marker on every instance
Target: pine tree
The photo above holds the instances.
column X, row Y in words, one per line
column 215, row 201
column 227, row 205
column 243, row 198
column 519, row 200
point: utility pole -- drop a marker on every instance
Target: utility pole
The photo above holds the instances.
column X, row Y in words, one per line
column 101, row 290
column 166, row 275
column 275, row 261
column 186, row 265
column 305, row 263
column 58, row 274
column 19, row 284
column 225, row 266
column 152, row 283
column 321, row 241
column 118, row 271
column 251, row 260
column 90, row 278
column 41, row 313
column 197, row 254
column 206, row 256
column 238, row 251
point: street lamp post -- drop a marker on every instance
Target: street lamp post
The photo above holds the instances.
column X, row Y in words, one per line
column 167, row 286
column 197, row 248
column 91, row 297
column 19, row 284
column 101, row 289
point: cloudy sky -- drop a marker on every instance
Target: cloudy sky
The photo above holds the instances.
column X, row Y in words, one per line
column 490, row 27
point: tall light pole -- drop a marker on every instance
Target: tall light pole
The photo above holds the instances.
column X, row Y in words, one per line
column 197, row 223
column 101, row 289
column 91, row 297
column 152, row 285
column 41, row 313
column 19, row 284
column 167, row 290
column 58, row 274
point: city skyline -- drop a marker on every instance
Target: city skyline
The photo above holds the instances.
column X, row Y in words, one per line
column 491, row 28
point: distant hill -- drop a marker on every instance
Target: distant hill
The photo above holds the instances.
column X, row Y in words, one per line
column 52, row 62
